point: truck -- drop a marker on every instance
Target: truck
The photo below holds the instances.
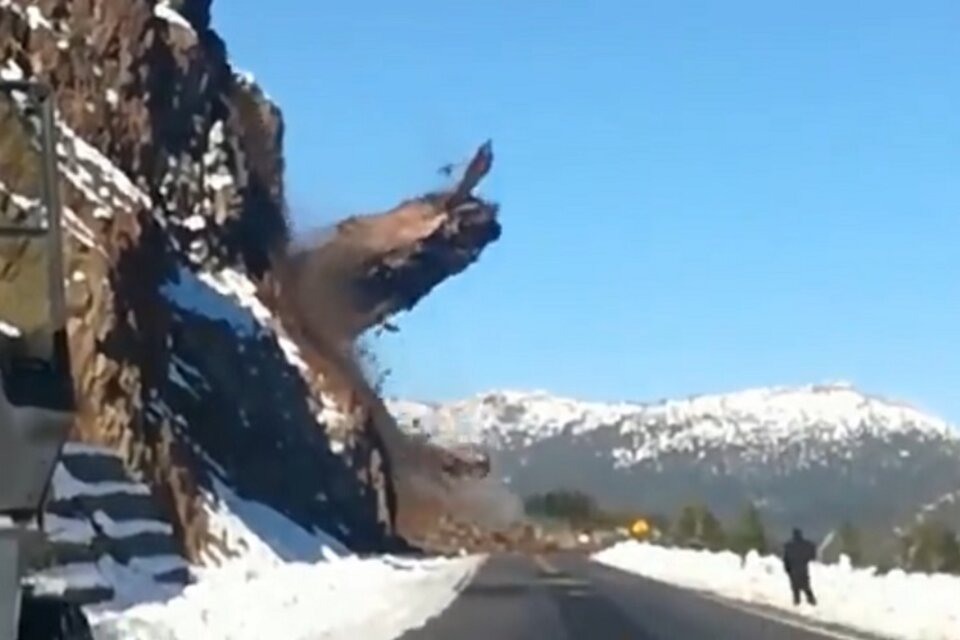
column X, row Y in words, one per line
column 37, row 403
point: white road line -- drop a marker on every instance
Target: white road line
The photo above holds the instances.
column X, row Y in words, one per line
column 785, row 620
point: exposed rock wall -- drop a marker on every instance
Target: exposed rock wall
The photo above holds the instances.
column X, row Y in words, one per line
column 206, row 349
column 173, row 168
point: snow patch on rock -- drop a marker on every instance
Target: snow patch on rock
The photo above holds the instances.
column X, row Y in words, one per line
column 260, row 536
column 164, row 11
column 67, row 487
column 196, row 294
column 231, row 296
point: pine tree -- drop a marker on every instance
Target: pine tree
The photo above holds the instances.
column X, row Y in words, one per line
column 749, row 533
column 696, row 525
column 851, row 544
column 660, row 524
column 685, row 529
column 711, row 531
column 574, row 507
column 926, row 547
column 948, row 551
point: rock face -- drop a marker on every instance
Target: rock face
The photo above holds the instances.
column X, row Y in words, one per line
column 196, row 361
column 173, row 170
column 813, row 456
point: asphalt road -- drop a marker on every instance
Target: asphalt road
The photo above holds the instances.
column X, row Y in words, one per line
column 569, row 597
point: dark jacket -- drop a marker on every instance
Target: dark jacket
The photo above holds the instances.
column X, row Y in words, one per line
column 797, row 556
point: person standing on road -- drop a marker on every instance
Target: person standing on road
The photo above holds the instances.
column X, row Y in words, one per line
column 797, row 556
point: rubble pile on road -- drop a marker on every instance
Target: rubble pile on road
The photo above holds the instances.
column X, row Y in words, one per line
column 452, row 537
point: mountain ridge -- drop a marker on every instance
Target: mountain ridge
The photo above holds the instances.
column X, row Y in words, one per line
column 808, row 453
column 407, row 408
column 519, row 392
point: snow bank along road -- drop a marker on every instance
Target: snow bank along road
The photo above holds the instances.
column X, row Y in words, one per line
column 907, row 606
column 568, row 597
column 340, row 599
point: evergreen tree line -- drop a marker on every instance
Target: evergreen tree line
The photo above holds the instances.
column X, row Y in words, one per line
column 576, row 508
column 930, row 547
column 696, row 526
column 926, row 547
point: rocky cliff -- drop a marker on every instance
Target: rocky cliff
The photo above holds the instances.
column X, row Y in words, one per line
column 208, row 354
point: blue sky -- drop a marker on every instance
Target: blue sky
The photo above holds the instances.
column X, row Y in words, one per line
column 696, row 196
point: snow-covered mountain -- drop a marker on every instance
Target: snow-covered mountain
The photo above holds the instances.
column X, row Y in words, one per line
column 812, row 455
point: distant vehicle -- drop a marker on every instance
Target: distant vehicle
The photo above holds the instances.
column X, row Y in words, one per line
column 36, row 389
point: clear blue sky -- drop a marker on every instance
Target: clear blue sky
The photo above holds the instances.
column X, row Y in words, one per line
column 696, row 196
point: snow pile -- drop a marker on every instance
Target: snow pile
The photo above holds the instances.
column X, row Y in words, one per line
column 125, row 583
column 347, row 598
column 896, row 605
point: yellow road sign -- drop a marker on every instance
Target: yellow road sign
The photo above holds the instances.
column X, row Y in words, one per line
column 640, row 528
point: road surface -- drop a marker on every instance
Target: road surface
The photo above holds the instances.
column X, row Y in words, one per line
column 568, row 597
